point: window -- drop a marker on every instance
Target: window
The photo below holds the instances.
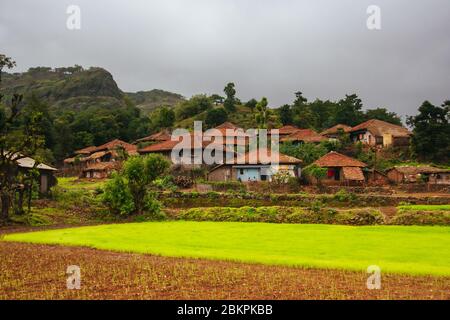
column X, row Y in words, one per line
column 241, row 171
column 263, row 178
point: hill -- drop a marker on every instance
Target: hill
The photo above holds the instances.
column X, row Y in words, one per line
column 73, row 88
column 147, row 101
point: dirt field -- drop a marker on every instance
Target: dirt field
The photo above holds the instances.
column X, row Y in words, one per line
column 38, row 272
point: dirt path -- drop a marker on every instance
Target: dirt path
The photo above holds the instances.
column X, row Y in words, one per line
column 38, row 272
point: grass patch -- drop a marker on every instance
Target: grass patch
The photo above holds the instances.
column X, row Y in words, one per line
column 73, row 183
column 420, row 207
column 407, row 250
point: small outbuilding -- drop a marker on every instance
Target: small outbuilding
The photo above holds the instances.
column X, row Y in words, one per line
column 341, row 169
column 99, row 170
column 425, row 174
column 257, row 165
column 46, row 173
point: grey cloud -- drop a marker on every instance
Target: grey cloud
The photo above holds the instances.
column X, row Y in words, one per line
column 268, row 48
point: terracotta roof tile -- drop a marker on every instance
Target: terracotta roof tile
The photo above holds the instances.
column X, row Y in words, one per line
column 353, row 173
column 159, row 136
column 335, row 159
column 265, row 156
column 87, row 150
column 169, row 145
column 286, row 130
column 378, row 128
column 411, row 170
column 305, row 135
column 335, row 129
column 111, row 145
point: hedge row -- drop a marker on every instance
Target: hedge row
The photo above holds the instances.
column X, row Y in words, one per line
column 340, row 199
column 283, row 215
column 421, row 218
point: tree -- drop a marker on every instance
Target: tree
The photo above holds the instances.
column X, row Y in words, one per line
column 217, row 99
column 16, row 142
column 384, row 115
column 316, row 172
column 162, row 118
column 216, row 116
column 348, row 111
column 301, row 112
column 193, row 106
column 134, row 180
column 262, row 115
column 431, row 132
column 307, row 152
column 251, row 104
column 285, row 114
column 230, row 101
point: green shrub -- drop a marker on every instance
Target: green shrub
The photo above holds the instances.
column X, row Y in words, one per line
column 437, row 218
column 117, row 195
column 344, row 196
column 128, row 191
column 70, row 198
column 165, row 183
column 282, row 215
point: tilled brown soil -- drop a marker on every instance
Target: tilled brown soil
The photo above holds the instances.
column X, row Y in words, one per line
column 39, row 272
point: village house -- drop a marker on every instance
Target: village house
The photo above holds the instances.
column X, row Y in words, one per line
column 424, row 174
column 336, row 131
column 285, row 131
column 191, row 151
column 377, row 133
column 87, row 158
column 100, row 170
column 257, row 165
column 341, row 170
column 46, row 173
column 230, row 135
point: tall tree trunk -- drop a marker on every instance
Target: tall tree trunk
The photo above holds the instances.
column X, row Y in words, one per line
column 5, row 207
column 19, row 209
column 30, row 195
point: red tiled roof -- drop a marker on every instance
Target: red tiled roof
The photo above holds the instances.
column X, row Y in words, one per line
column 111, row 145
column 265, row 156
column 305, row 135
column 96, row 155
column 335, row 159
column 411, row 170
column 87, row 150
column 159, row 136
column 286, row 130
column 335, row 129
column 378, row 128
column 353, row 173
column 169, row 145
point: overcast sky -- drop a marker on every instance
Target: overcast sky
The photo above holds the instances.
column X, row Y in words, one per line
column 268, row 48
